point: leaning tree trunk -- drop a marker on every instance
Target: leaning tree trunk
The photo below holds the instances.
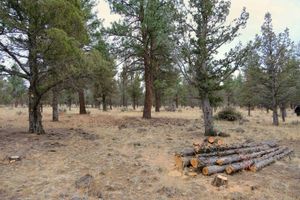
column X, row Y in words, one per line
column 34, row 110
column 157, row 100
column 82, row 109
column 207, row 116
column 55, row 104
column 104, row 105
column 148, row 86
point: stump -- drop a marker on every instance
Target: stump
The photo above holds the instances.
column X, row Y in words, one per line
column 220, row 180
column 14, row 158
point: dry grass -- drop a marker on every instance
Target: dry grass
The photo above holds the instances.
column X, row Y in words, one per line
column 132, row 158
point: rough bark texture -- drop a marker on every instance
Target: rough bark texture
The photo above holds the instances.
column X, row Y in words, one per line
column 82, row 109
column 55, row 114
column 269, row 155
column 263, row 163
column 232, row 149
column 34, row 110
column 187, row 152
column 239, row 166
column 239, row 157
column 213, row 169
column 275, row 114
column 200, row 162
column 182, row 162
column 207, row 116
column 220, row 180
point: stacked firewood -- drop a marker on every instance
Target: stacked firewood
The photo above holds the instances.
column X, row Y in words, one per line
column 213, row 156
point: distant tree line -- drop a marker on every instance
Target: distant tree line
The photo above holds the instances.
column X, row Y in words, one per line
column 161, row 53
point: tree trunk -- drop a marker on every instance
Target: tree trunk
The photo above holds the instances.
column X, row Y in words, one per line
column 148, row 86
column 104, row 105
column 283, row 112
column 249, row 110
column 69, row 102
column 55, row 104
column 275, row 115
column 133, row 102
column 110, row 103
column 207, row 116
column 176, row 101
column 82, row 109
column 34, row 110
column 157, row 100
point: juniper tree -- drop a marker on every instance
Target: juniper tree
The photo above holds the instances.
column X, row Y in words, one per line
column 275, row 77
column 42, row 38
column 207, row 32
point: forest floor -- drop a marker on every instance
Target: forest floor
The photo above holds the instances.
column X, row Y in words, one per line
column 131, row 158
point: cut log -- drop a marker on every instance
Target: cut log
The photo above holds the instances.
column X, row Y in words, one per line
column 219, row 142
column 263, row 163
column 239, row 157
column 246, row 164
column 213, row 169
column 212, row 151
column 200, row 162
column 269, row 155
column 236, row 151
column 239, row 166
column 182, row 162
column 14, row 158
column 211, row 140
column 220, row 180
column 189, row 151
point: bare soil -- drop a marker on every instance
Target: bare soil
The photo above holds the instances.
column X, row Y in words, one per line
column 132, row 158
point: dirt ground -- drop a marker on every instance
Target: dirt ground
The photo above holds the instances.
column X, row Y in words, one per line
column 131, row 158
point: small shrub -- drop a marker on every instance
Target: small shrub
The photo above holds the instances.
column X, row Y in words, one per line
column 124, row 109
column 229, row 114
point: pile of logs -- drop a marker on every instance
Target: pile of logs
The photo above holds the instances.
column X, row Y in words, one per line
column 213, row 156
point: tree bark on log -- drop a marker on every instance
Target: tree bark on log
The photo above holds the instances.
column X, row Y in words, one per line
column 220, row 180
column 239, row 166
column 213, row 169
column 200, row 162
column 226, row 150
column 187, row 152
column 239, row 157
column 269, row 155
column 263, row 163
column 181, row 162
